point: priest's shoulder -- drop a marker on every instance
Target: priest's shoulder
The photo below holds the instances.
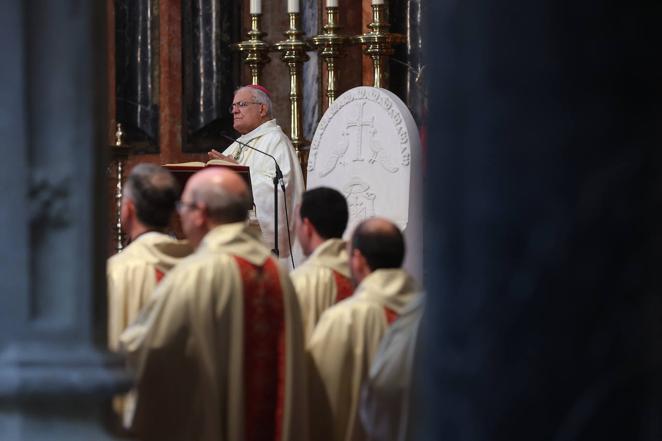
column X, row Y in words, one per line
column 201, row 262
column 352, row 310
column 310, row 269
column 198, row 277
column 133, row 255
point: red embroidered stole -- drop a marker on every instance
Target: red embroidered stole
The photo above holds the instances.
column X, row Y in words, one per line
column 391, row 315
column 159, row 275
column 344, row 286
column 264, row 351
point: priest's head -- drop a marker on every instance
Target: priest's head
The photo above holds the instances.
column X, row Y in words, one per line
column 322, row 215
column 148, row 200
column 251, row 107
column 376, row 244
column 212, row 197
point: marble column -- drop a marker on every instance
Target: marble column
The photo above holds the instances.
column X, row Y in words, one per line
column 311, row 70
column 55, row 379
column 544, row 221
column 210, row 71
column 415, row 90
column 137, row 60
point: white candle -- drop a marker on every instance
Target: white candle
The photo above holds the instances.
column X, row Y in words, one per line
column 331, row 3
column 377, row 2
column 292, row 6
column 256, row 6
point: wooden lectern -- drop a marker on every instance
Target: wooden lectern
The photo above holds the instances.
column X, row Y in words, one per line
column 182, row 172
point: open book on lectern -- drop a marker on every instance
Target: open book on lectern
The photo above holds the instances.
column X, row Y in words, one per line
column 184, row 170
column 200, row 164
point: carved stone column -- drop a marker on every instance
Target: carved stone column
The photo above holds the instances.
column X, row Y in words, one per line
column 54, row 375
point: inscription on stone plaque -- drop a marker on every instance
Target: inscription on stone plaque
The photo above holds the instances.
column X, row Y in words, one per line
column 367, row 147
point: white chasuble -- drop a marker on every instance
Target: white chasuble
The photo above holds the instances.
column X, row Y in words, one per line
column 219, row 352
column 386, row 400
column 271, row 139
column 322, row 281
column 132, row 277
column 343, row 346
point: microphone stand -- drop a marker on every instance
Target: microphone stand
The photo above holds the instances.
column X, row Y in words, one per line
column 277, row 178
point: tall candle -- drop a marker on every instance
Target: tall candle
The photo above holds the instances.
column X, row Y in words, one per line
column 331, row 3
column 256, row 6
column 377, row 2
column 292, row 6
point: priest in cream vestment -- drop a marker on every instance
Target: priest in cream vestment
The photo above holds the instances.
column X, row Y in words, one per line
column 148, row 203
column 324, row 278
column 133, row 275
column 253, row 119
column 348, row 334
column 387, row 401
column 219, row 352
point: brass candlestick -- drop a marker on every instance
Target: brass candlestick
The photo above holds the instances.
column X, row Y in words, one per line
column 120, row 153
column 379, row 44
column 330, row 46
column 294, row 55
column 255, row 49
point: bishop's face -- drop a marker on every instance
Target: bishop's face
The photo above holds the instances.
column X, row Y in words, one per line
column 247, row 114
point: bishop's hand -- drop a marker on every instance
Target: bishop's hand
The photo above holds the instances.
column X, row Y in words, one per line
column 215, row 154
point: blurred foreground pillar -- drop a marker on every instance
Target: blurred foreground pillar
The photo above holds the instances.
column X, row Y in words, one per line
column 54, row 381
column 544, row 221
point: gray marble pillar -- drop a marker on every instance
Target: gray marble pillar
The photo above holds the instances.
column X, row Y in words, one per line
column 54, row 381
column 415, row 90
column 311, row 71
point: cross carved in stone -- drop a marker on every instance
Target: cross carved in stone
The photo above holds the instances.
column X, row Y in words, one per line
column 360, row 124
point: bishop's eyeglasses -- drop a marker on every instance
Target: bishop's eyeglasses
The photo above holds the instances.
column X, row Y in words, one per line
column 241, row 105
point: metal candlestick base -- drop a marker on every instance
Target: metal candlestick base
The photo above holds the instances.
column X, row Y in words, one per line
column 379, row 44
column 255, row 49
column 330, row 46
column 120, row 154
column 293, row 52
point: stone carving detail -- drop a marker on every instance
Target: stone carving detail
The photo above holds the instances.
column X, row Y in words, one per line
column 360, row 200
column 352, row 141
column 379, row 155
column 359, row 123
column 337, row 154
column 367, row 147
column 49, row 200
column 346, row 143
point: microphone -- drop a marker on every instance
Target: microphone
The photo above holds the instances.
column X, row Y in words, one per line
column 277, row 178
column 279, row 173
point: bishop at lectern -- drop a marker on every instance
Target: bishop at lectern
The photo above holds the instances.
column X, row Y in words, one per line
column 253, row 119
